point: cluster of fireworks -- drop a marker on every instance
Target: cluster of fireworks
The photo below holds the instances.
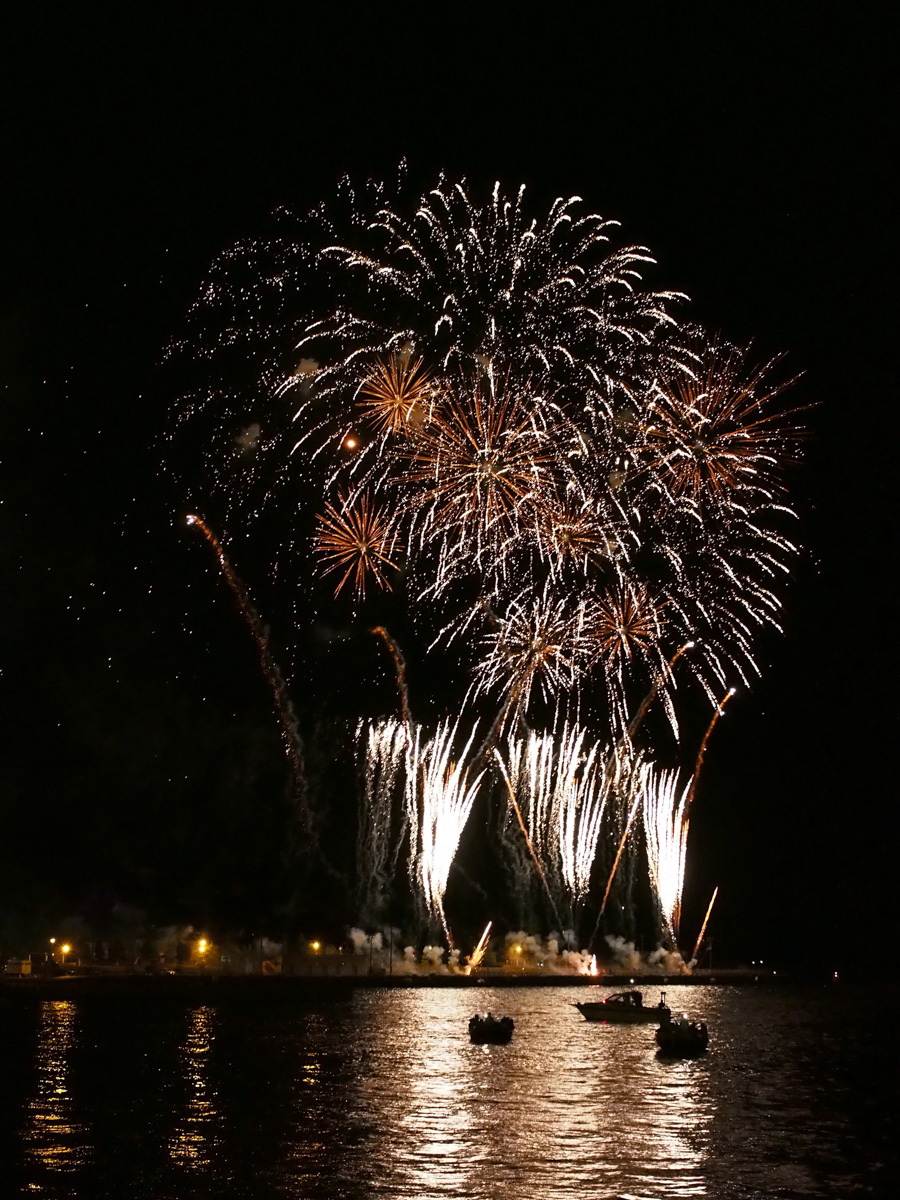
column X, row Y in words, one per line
column 493, row 424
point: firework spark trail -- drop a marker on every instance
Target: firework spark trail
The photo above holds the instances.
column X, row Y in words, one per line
column 701, row 754
column 287, row 719
column 631, row 815
column 400, row 668
column 699, row 940
column 377, row 846
column 439, row 799
column 667, row 823
column 666, row 829
column 638, row 718
column 528, row 842
column 477, row 954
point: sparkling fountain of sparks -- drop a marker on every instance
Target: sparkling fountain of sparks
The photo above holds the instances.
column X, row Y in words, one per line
column 563, row 786
column 439, row 797
column 664, row 808
column 378, row 840
column 666, row 824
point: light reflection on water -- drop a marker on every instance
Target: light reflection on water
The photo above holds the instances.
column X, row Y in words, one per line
column 568, row 1107
column 195, row 1138
column 55, row 1138
column 332, row 1095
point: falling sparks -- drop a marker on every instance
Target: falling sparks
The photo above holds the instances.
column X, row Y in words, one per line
column 439, row 796
column 665, row 804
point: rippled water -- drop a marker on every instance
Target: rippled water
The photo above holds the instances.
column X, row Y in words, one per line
column 379, row 1092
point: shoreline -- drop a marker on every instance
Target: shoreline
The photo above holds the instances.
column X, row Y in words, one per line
column 211, row 986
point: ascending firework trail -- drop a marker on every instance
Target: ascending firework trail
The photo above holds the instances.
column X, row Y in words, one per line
column 287, row 720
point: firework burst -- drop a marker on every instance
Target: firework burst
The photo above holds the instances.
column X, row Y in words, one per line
column 481, row 468
column 356, row 538
column 539, row 644
column 711, row 433
column 574, row 487
column 395, row 395
column 624, row 624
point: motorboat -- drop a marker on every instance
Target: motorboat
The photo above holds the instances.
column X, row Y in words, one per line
column 682, row 1038
column 626, row 1008
column 487, row 1029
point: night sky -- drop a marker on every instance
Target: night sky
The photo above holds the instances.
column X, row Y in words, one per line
column 140, row 764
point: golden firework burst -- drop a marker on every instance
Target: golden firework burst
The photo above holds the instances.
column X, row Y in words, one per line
column 353, row 537
column 396, row 393
column 625, row 623
column 484, row 455
column 570, row 530
column 538, row 642
column 710, row 433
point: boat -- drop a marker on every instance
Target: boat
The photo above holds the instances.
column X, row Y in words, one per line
column 626, row 1008
column 490, row 1030
column 682, row 1038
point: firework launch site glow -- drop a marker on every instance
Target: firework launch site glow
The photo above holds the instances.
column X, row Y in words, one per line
column 482, row 440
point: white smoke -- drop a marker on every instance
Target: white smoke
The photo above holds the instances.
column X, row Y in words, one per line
column 366, row 943
column 628, row 960
column 433, row 959
column 529, row 953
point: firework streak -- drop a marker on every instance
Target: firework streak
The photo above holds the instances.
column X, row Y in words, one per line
column 699, row 940
column 290, row 736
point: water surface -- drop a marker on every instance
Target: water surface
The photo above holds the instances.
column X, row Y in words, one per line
column 340, row 1094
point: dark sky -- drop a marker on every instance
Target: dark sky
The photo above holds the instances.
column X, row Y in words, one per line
column 751, row 152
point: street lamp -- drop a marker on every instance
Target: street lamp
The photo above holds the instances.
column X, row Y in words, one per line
column 64, row 950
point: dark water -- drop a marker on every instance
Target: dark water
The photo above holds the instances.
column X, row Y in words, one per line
column 380, row 1093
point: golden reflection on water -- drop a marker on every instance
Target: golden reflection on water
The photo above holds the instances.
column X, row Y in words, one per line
column 53, row 1139
column 419, row 1094
column 310, row 1151
column 568, row 1107
column 195, row 1137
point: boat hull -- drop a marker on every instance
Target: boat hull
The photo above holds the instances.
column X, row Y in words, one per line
column 491, row 1031
column 609, row 1014
column 682, row 1039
